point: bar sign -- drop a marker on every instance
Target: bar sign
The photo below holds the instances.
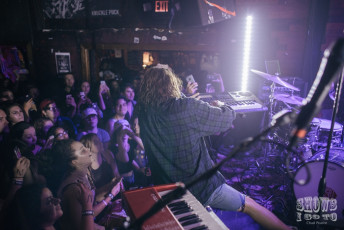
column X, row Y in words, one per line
column 161, row 6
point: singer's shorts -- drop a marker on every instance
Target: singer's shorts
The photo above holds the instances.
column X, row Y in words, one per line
column 226, row 198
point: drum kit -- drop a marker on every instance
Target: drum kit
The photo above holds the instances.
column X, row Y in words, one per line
column 318, row 131
column 311, row 149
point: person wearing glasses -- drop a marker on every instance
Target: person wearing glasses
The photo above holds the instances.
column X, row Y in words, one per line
column 50, row 110
column 58, row 133
column 33, row 207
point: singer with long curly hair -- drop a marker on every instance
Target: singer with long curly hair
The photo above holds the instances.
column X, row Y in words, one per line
column 173, row 128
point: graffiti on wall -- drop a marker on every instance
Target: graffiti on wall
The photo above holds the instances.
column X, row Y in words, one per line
column 64, row 9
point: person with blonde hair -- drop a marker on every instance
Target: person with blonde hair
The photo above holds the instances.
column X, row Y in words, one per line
column 173, row 128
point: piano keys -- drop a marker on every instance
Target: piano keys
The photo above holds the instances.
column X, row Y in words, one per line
column 184, row 213
column 239, row 101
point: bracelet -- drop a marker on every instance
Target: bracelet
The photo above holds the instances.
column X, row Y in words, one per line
column 18, row 182
column 111, row 196
column 104, row 202
column 87, row 213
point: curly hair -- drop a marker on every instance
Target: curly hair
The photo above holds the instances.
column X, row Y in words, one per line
column 158, row 86
column 56, row 164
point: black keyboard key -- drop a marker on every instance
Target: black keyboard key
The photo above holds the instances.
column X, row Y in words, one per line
column 199, row 227
column 184, row 218
column 176, row 203
column 185, row 210
column 193, row 221
column 179, row 208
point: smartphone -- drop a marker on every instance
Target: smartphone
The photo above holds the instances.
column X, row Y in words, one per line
column 190, row 79
column 27, row 97
column 17, row 152
column 102, row 82
column 82, row 95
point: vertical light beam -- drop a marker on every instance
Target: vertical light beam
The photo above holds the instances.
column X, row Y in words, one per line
column 246, row 53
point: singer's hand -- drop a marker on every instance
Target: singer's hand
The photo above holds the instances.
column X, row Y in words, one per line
column 192, row 87
column 217, row 103
column 196, row 96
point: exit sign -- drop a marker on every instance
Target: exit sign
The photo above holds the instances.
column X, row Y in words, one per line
column 161, row 6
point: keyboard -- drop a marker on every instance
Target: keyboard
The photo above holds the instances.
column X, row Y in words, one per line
column 239, row 101
column 245, row 106
column 184, row 213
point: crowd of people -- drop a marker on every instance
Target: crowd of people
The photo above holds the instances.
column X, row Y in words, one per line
column 66, row 155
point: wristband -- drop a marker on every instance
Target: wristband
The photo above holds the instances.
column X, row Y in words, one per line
column 111, row 196
column 87, row 213
column 104, row 202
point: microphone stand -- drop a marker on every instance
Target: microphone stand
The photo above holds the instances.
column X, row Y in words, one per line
column 182, row 188
column 322, row 182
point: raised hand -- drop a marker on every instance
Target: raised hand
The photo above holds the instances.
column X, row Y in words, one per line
column 117, row 188
column 191, row 87
column 29, row 105
column 103, row 88
column 21, row 167
column 49, row 143
column 125, row 130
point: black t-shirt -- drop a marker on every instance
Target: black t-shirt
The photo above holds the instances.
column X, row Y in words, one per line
column 102, row 175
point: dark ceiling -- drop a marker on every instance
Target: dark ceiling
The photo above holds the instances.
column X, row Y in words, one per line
column 295, row 32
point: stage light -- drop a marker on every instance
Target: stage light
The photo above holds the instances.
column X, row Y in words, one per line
column 246, row 53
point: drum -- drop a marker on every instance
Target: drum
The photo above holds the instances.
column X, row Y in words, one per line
column 307, row 204
column 313, row 132
column 324, row 130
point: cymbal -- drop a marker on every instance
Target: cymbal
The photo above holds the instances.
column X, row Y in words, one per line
column 289, row 99
column 275, row 79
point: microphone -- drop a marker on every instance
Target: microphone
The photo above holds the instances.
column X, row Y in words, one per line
column 331, row 62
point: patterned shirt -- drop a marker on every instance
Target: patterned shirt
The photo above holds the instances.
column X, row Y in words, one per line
column 173, row 138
